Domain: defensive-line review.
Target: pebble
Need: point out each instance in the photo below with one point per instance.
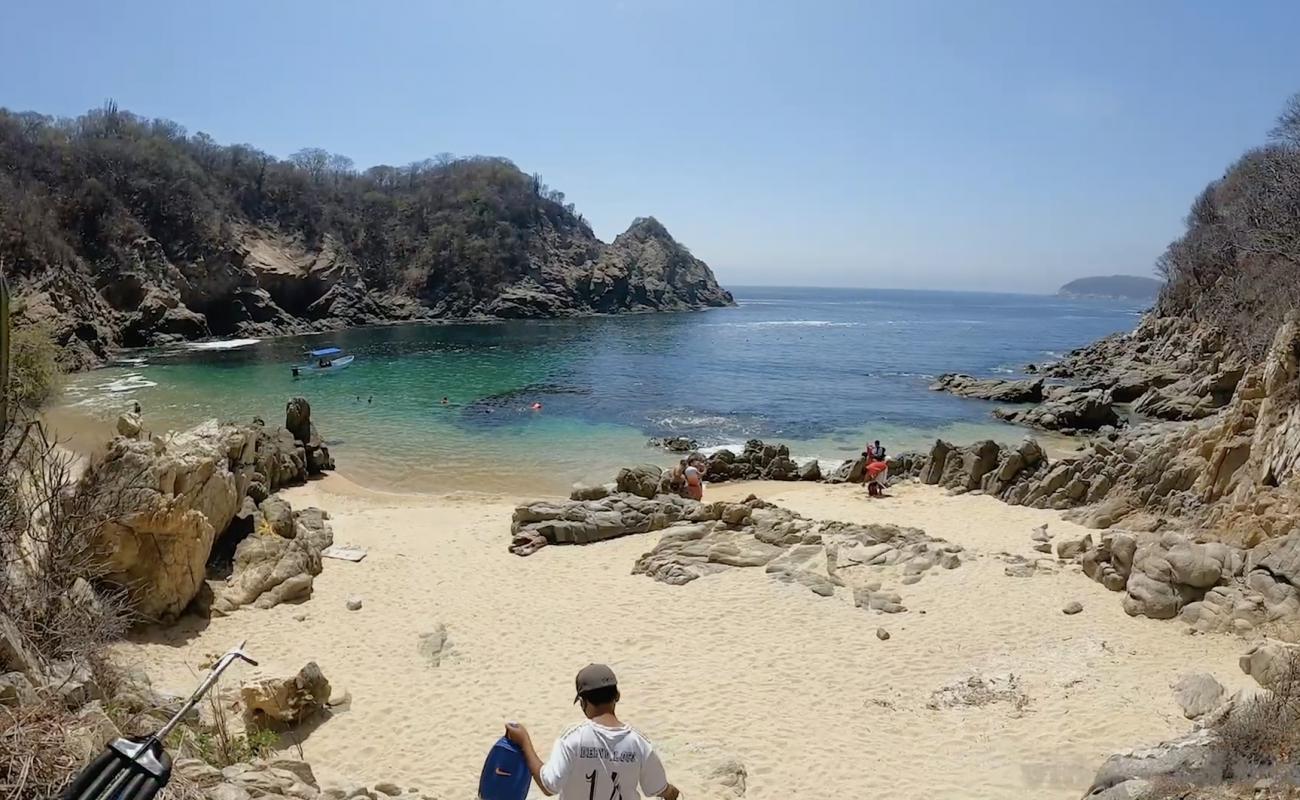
(354, 603)
(389, 788)
(882, 634)
(1072, 607)
(299, 617)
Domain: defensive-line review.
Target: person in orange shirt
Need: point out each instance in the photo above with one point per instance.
(877, 472)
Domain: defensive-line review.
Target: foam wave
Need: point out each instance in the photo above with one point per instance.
(896, 374)
(676, 423)
(226, 344)
(775, 323)
(734, 447)
(128, 383)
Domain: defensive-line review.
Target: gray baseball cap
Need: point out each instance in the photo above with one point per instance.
(593, 676)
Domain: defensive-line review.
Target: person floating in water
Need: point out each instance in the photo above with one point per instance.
(445, 401)
(536, 406)
(601, 757)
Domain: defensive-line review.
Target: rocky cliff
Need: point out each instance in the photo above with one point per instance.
(122, 231)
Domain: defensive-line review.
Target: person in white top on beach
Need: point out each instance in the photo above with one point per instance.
(601, 759)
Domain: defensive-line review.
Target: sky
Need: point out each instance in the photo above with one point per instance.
(955, 145)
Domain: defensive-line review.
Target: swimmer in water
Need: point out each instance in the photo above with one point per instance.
(537, 406)
(445, 401)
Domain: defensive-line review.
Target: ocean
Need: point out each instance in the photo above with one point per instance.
(824, 370)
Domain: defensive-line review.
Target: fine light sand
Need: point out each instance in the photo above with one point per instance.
(795, 686)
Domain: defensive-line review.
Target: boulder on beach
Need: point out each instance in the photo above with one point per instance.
(987, 466)
(586, 521)
(181, 493)
(183, 498)
(277, 703)
(274, 560)
(645, 481)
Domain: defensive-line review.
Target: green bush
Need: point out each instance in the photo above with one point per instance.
(36, 371)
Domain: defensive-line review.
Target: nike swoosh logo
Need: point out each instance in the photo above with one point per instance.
(502, 774)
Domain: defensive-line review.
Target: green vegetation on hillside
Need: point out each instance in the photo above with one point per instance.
(87, 189)
(123, 230)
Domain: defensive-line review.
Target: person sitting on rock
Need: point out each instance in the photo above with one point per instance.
(602, 757)
(875, 451)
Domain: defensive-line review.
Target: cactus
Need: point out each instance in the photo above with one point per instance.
(4, 351)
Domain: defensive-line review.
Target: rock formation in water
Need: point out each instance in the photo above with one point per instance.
(1003, 391)
(127, 232)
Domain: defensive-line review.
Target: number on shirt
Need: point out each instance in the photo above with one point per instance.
(616, 793)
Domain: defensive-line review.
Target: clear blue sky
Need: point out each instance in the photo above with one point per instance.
(920, 144)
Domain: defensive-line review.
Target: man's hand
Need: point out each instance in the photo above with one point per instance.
(518, 734)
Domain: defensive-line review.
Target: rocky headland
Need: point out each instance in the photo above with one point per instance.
(129, 232)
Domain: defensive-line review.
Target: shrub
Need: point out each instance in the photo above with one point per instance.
(36, 371)
(49, 565)
(1261, 736)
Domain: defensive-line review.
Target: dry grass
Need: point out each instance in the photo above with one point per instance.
(50, 568)
(978, 692)
(35, 760)
(1261, 736)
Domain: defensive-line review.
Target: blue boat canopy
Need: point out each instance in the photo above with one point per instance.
(326, 351)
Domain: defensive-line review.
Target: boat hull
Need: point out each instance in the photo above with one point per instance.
(315, 369)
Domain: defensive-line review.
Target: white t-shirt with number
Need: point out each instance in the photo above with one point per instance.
(595, 762)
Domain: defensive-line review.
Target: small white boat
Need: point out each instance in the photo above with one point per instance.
(328, 359)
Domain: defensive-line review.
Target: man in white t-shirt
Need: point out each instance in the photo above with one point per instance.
(601, 759)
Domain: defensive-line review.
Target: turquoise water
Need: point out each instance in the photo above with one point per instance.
(822, 369)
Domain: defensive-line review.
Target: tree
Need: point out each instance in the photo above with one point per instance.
(340, 166)
(1287, 129)
(312, 160)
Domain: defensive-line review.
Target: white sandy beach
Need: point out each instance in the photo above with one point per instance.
(736, 665)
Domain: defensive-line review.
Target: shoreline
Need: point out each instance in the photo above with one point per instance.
(183, 345)
(86, 433)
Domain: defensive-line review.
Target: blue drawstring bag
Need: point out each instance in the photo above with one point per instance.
(505, 773)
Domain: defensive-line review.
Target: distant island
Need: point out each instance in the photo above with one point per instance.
(1117, 287)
